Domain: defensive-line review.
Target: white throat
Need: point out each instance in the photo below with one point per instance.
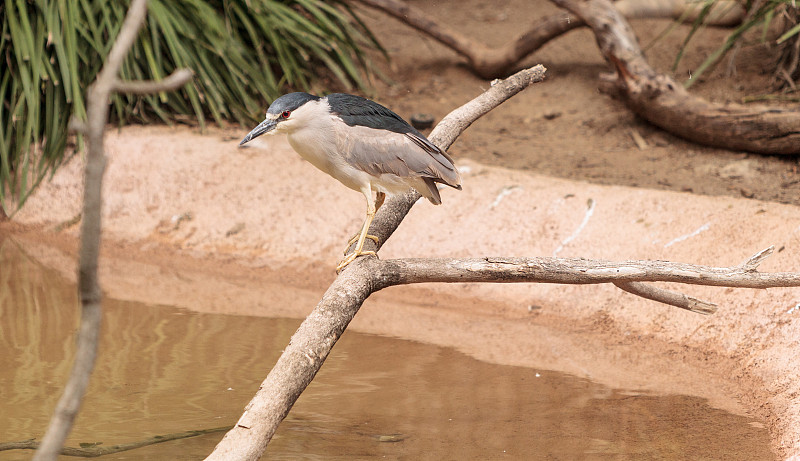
(311, 132)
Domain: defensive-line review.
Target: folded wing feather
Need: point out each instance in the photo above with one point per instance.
(402, 154)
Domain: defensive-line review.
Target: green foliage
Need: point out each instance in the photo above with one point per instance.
(243, 53)
(760, 13)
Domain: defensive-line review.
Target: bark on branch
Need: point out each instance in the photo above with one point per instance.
(575, 271)
(628, 276)
(97, 115)
(672, 298)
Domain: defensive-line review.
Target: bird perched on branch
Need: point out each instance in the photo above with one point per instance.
(364, 145)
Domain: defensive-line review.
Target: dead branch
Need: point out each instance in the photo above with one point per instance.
(672, 298)
(172, 82)
(575, 271)
(628, 276)
(665, 103)
(95, 451)
(97, 114)
(484, 61)
(498, 62)
(314, 339)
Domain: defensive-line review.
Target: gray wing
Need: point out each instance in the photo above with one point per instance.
(403, 154)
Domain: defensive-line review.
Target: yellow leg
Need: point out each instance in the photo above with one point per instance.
(362, 236)
(354, 239)
(380, 197)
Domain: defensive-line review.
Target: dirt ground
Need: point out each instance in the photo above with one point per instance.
(565, 127)
(193, 221)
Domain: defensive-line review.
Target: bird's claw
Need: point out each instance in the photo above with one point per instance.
(354, 239)
(352, 257)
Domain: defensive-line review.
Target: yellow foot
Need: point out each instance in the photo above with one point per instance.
(354, 239)
(352, 257)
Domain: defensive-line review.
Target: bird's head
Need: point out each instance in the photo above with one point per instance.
(282, 115)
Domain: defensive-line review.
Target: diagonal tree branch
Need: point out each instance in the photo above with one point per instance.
(316, 336)
(97, 114)
(313, 341)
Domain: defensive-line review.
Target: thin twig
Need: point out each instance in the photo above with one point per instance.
(172, 82)
(754, 261)
(102, 450)
(672, 298)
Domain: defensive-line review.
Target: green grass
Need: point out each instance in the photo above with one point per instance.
(244, 53)
(760, 15)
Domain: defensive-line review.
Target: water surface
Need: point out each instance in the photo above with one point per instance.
(163, 370)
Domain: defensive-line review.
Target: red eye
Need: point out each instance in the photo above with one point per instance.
(286, 114)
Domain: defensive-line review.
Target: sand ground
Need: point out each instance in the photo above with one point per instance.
(191, 220)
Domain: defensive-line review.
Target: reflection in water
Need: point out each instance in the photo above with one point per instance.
(163, 370)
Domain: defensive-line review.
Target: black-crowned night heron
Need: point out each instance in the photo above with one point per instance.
(362, 144)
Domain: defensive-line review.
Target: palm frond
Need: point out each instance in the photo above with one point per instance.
(244, 53)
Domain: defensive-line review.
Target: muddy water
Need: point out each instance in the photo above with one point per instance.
(163, 370)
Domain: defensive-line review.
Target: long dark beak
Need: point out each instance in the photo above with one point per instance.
(264, 127)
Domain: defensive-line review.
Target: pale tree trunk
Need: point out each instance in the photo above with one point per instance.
(98, 100)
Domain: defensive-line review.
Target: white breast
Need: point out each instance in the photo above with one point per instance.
(315, 140)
